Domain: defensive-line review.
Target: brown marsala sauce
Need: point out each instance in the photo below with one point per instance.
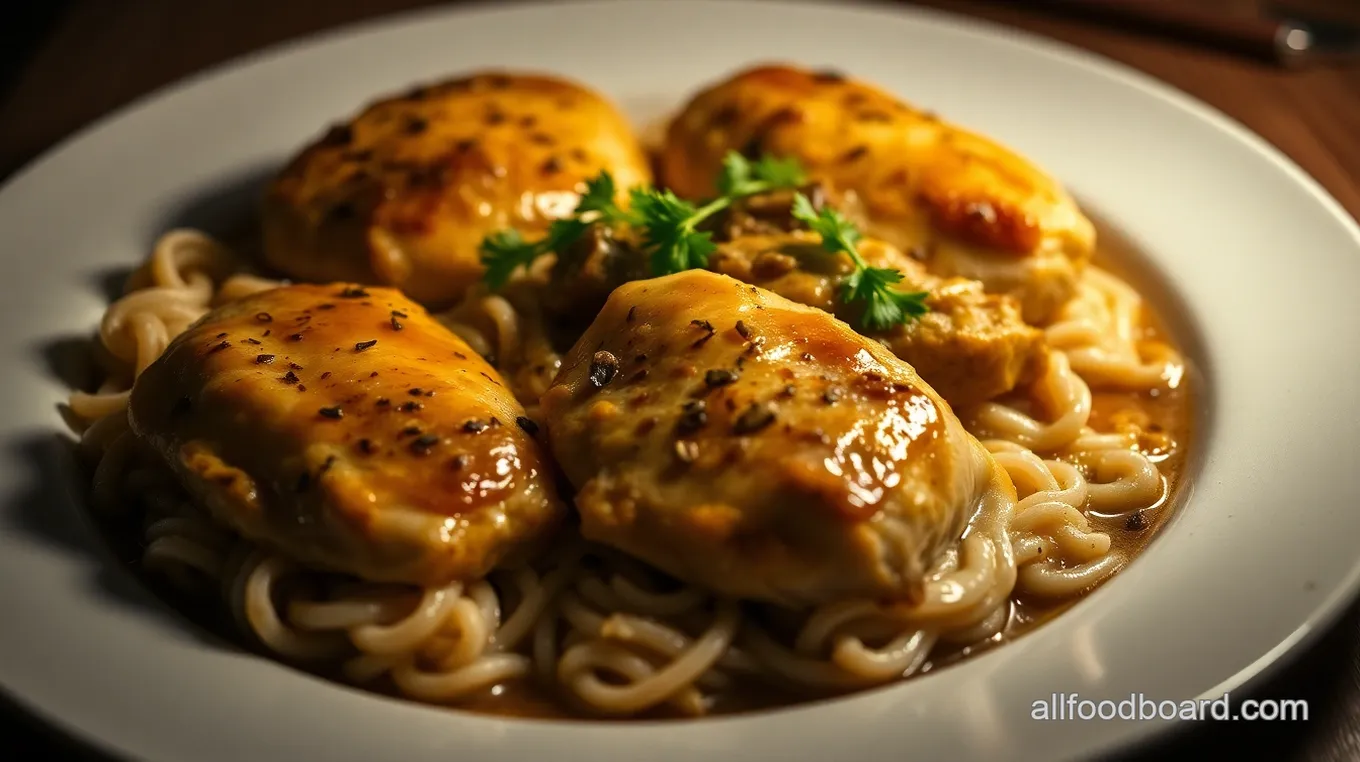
(1167, 415)
(1166, 418)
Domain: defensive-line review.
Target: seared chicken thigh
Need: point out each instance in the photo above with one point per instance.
(970, 347)
(973, 208)
(347, 429)
(758, 447)
(402, 194)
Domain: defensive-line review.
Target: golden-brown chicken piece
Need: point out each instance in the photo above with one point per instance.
(758, 447)
(402, 194)
(350, 431)
(970, 347)
(972, 207)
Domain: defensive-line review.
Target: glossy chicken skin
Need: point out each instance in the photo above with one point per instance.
(347, 429)
(402, 194)
(974, 208)
(970, 347)
(759, 447)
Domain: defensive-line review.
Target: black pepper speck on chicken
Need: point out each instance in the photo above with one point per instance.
(318, 463)
(791, 460)
(973, 207)
(403, 194)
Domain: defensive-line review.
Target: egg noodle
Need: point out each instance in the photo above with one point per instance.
(601, 631)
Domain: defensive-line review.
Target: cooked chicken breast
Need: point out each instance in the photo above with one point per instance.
(973, 208)
(759, 447)
(402, 194)
(970, 347)
(347, 429)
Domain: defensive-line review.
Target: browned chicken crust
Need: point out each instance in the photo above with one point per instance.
(973, 208)
(970, 347)
(349, 430)
(402, 194)
(758, 447)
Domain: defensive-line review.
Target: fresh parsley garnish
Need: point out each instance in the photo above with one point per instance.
(599, 197)
(505, 251)
(884, 305)
(668, 230)
(670, 234)
(741, 177)
(668, 224)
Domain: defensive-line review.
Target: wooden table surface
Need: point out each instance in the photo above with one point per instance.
(66, 64)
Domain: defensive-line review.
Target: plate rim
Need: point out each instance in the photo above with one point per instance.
(1321, 617)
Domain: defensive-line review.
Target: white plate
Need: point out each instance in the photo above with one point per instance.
(1263, 263)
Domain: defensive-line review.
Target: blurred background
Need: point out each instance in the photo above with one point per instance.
(64, 64)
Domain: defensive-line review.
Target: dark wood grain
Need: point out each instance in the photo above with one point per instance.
(85, 58)
(1256, 36)
(1312, 115)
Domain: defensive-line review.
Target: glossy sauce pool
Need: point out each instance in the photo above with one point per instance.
(1166, 418)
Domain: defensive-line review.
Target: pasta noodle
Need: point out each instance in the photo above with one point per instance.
(1099, 331)
(604, 632)
(509, 329)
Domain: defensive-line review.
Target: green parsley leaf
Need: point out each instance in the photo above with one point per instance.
(563, 233)
(688, 251)
(736, 173)
(741, 177)
(668, 230)
(837, 233)
(599, 195)
(884, 305)
(599, 199)
(668, 224)
(779, 173)
(661, 211)
(505, 251)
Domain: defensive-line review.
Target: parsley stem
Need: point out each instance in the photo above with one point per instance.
(722, 202)
(853, 251)
(708, 210)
